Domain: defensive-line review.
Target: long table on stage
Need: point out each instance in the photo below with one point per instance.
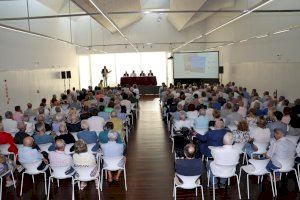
(142, 80)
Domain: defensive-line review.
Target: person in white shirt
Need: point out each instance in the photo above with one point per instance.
(183, 122)
(9, 125)
(259, 134)
(136, 91)
(112, 149)
(95, 123)
(29, 126)
(281, 149)
(59, 158)
(225, 155)
(125, 102)
(133, 74)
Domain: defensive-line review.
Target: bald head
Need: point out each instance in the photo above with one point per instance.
(228, 138)
(189, 151)
(28, 141)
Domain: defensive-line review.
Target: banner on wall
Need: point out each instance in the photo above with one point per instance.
(6, 92)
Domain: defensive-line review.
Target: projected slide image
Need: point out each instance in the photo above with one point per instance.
(195, 64)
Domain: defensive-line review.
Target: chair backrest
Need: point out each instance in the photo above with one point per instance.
(75, 135)
(188, 182)
(239, 146)
(83, 173)
(31, 168)
(90, 147)
(45, 147)
(293, 139)
(113, 163)
(4, 149)
(259, 165)
(60, 172)
(68, 147)
(286, 164)
(261, 147)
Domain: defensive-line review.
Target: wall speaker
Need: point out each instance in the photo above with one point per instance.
(221, 69)
(68, 74)
(63, 74)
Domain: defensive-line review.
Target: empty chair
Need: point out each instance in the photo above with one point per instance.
(32, 170)
(287, 165)
(58, 173)
(113, 164)
(188, 182)
(256, 168)
(85, 173)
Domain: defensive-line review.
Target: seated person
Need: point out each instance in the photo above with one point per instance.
(28, 154)
(85, 113)
(150, 73)
(113, 149)
(234, 117)
(103, 136)
(192, 112)
(29, 111)
(226, 155)
(41, 121)
(65, 135)
(57, 120)
(241, 135)
(104, 115)
(133, 74)
(94, 123)
(29, 125)
(277, 123)
(212, 138)
(182, 122)
(74, 125)
(125, 102)
(189, 166)
(142, 73)
(58, 158)
(88, 136)
(19, 137)
(9, 124)
(5, 166)
(200, 124)
(18, 115)
(82, 157)
(117, 123)
(125, 74)
(281, 149)
(40, 137)
(6, 138)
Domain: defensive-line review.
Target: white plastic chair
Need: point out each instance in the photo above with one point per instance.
(261, 148)
(188, 182)
(45, 147)
(83, 173)
(1, 180)
(59, 174)
(240, 147)
(111, 164)
(293, 139)
(90, 147)
(68, 147)
(227, 172)
(31, 169)
(256, 168)
(287, 165)
(75, 135)
(4, 151)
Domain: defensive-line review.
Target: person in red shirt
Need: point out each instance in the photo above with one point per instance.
(6, 138)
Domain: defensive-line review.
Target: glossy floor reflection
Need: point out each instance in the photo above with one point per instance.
(150, 171)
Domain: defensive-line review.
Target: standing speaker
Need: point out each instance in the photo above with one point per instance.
(69, 74)
(63, 74)
(221, 70)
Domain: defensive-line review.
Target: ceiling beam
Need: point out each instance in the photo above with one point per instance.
(145, 12)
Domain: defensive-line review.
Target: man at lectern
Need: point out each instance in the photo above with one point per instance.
(104, 73)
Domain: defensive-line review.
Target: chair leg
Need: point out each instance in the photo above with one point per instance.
(262, 178)
(32, 176)
(101, 179)
(208, 178)
(21, 190)
(98, 189)
(240, 174)
(1, 188)
(202, 192)
(196, 191)
(57, 182)
(125, 179)
(45, 177)
(271, 180)
(248, 186)
(238, 184)
(214, 195)
(275, 184)
(297, 179)
(73, 189)
(175, 191)
(228, 181)
(258, 178)
(13, 178)
(49, 187)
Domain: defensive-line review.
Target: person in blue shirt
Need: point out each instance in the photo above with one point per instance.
(212, 138)
(200, 124)
(90, 137)
(104, 115)
(103, 136)
(40, 137)
(190, 166)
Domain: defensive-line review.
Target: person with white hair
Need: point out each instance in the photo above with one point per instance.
(59, 158)
(9, 124)
(21, 134)
(182, 122)
(57, 120)
(113, 149)
(226, 155)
